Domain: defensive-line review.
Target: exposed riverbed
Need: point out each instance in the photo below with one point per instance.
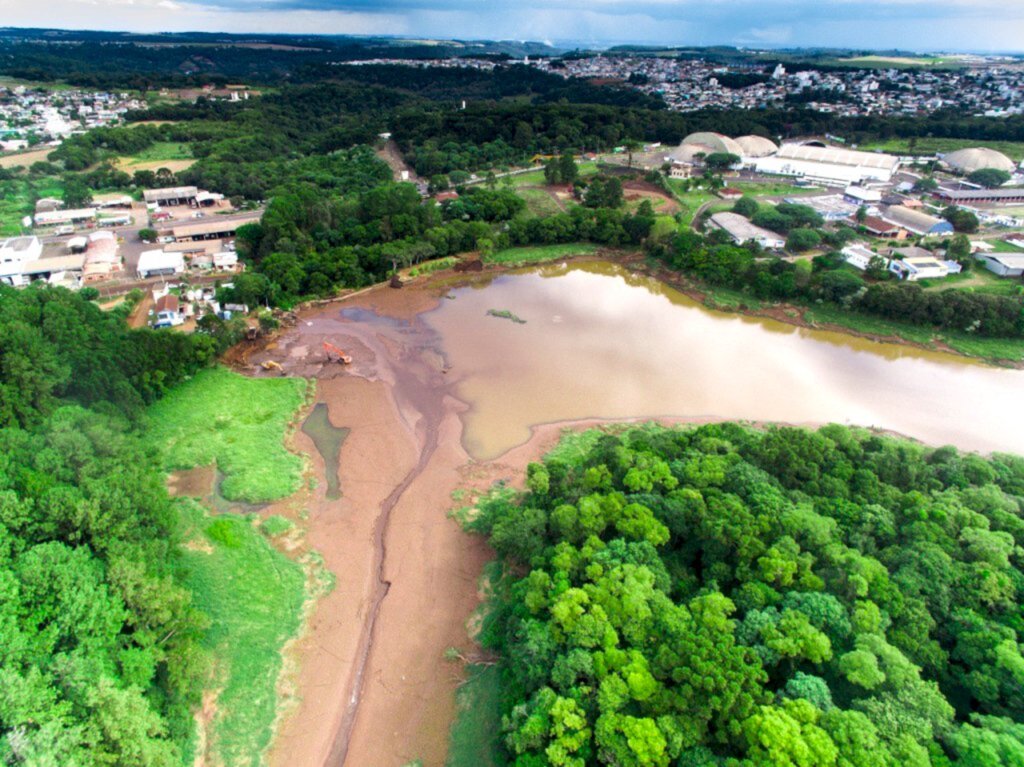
(440, 392)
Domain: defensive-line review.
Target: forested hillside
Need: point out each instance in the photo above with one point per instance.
(100, 662)
(726, 596)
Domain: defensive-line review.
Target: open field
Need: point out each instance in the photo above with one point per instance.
(14, 82)
(537, 253)
(25, 159)
(929, 146)
(253, 597)
(163, 154)
(16, 198)
(536, 177)
(539, 203)
(768, 189)
(236, 422)
(690, 202)
(1001, 246)
(901, 62)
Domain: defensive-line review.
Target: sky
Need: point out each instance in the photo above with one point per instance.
(917, 25)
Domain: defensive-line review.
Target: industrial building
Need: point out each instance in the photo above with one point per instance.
(1004, 264)
(829, 165)
(916, 222)
(59, 217)
(172, 196)
(967, 161)
(742, 231)
(982, 196)
(217, 229)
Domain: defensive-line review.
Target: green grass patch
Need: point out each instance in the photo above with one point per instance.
(691, 201)
(275, 526)
(161, 151)
(539, 204)
(477, 728)
(17, 200)
(237, 422)
(729, 300)
(930, 146)
(436, 265)
(984, 348)
(1001, 246)
(534, 254)
(253, 596)
(756, 189)
(505, 314)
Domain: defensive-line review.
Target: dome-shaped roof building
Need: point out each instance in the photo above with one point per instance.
(970, 160)
(687, 153)
(756, 146)
(714, 141)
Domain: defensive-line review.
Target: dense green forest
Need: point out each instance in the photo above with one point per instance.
(735, 597)
(101, 662)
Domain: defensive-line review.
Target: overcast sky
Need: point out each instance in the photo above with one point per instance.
(924, 25)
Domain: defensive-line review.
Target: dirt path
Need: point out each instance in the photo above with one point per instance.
(392, 155)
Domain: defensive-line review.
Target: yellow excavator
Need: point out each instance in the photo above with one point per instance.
(340, 356)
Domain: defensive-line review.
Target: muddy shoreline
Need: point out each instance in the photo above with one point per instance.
(370, 682)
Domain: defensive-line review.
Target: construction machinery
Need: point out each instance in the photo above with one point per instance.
(338, 354)
(272, 365)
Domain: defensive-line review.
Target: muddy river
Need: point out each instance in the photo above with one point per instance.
(600, 342)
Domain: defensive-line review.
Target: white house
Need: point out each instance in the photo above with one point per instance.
(859, 256)
(860, 195)
(912, 269)
(160, 262)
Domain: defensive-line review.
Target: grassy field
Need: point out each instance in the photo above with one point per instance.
(163, 154)
(902, 62)
(16, 200)
(14, 82)
(757, 189)
(691, 201)
(237, 422)
(986, 348)
(978, 280)
(25, 159)
(475, 733)
(253, 596)
(539, 204)
(536, 177)
(929, 146)
(1001, 246)
(538, 253)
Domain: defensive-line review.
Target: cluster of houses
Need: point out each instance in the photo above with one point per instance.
(991, 85)
(29, 116)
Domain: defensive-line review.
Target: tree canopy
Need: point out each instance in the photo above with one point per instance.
(733, 597)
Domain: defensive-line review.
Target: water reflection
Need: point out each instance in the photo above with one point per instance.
(601, 342)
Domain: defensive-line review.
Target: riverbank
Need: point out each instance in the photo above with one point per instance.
(371, 681)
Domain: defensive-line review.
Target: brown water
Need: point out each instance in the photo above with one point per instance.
(599, 342)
